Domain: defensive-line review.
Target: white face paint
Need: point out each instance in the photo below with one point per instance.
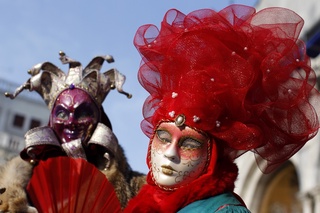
(178, 155)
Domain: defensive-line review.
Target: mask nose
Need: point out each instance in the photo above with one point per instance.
(71, 122)
(172, 153)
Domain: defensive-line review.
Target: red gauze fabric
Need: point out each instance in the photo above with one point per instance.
(240, 75)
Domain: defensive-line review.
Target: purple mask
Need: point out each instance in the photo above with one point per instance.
(74, 115)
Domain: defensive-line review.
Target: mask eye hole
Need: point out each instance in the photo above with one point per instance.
(61, 113)
(164, 136)
(85, 111)
(190, 143)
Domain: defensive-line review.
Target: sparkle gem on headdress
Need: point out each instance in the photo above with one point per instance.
(174, 94)
(297, 60)
(149, 45)
(71, 86)
(218, 123)
(245, 48)
(311, 134)
(233, 53)
(289, 91)
(172, 114)
(196, 118)
(180, 119)
(268, 70)
(212, 79)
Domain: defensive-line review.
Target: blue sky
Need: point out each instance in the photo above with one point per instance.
(35, 31)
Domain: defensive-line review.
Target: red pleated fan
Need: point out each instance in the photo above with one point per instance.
(68, 185)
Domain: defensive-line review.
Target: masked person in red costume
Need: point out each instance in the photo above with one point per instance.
(78, 127)
(221, 84)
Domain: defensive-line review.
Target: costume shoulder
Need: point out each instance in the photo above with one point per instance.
(226, 202)
(14, 176)
(233, 209)
(126, 182)
(137, 180)
(15, 172)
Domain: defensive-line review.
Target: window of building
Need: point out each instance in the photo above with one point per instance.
(280, 195)
(34, 123)
(18, 121)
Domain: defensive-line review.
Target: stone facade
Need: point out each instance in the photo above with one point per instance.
(17, 117)
(295, 186)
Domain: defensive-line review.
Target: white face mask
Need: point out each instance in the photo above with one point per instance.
(178, 155)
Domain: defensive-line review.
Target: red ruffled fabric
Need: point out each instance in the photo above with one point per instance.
(240, 75)
(151, 198)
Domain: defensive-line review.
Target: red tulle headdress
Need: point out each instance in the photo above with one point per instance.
(240, 75)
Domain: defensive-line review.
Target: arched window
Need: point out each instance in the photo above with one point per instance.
(280, 191)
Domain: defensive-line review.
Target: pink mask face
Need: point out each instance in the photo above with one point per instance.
(178, 155)
(74, 115)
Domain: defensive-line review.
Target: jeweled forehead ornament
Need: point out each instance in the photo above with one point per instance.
(180, 120)
(49, 81)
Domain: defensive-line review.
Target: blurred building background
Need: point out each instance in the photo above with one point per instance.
(295, 186)
(17, 117)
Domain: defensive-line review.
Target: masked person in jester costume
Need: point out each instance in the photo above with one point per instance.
(78, 127)
(220, 84)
